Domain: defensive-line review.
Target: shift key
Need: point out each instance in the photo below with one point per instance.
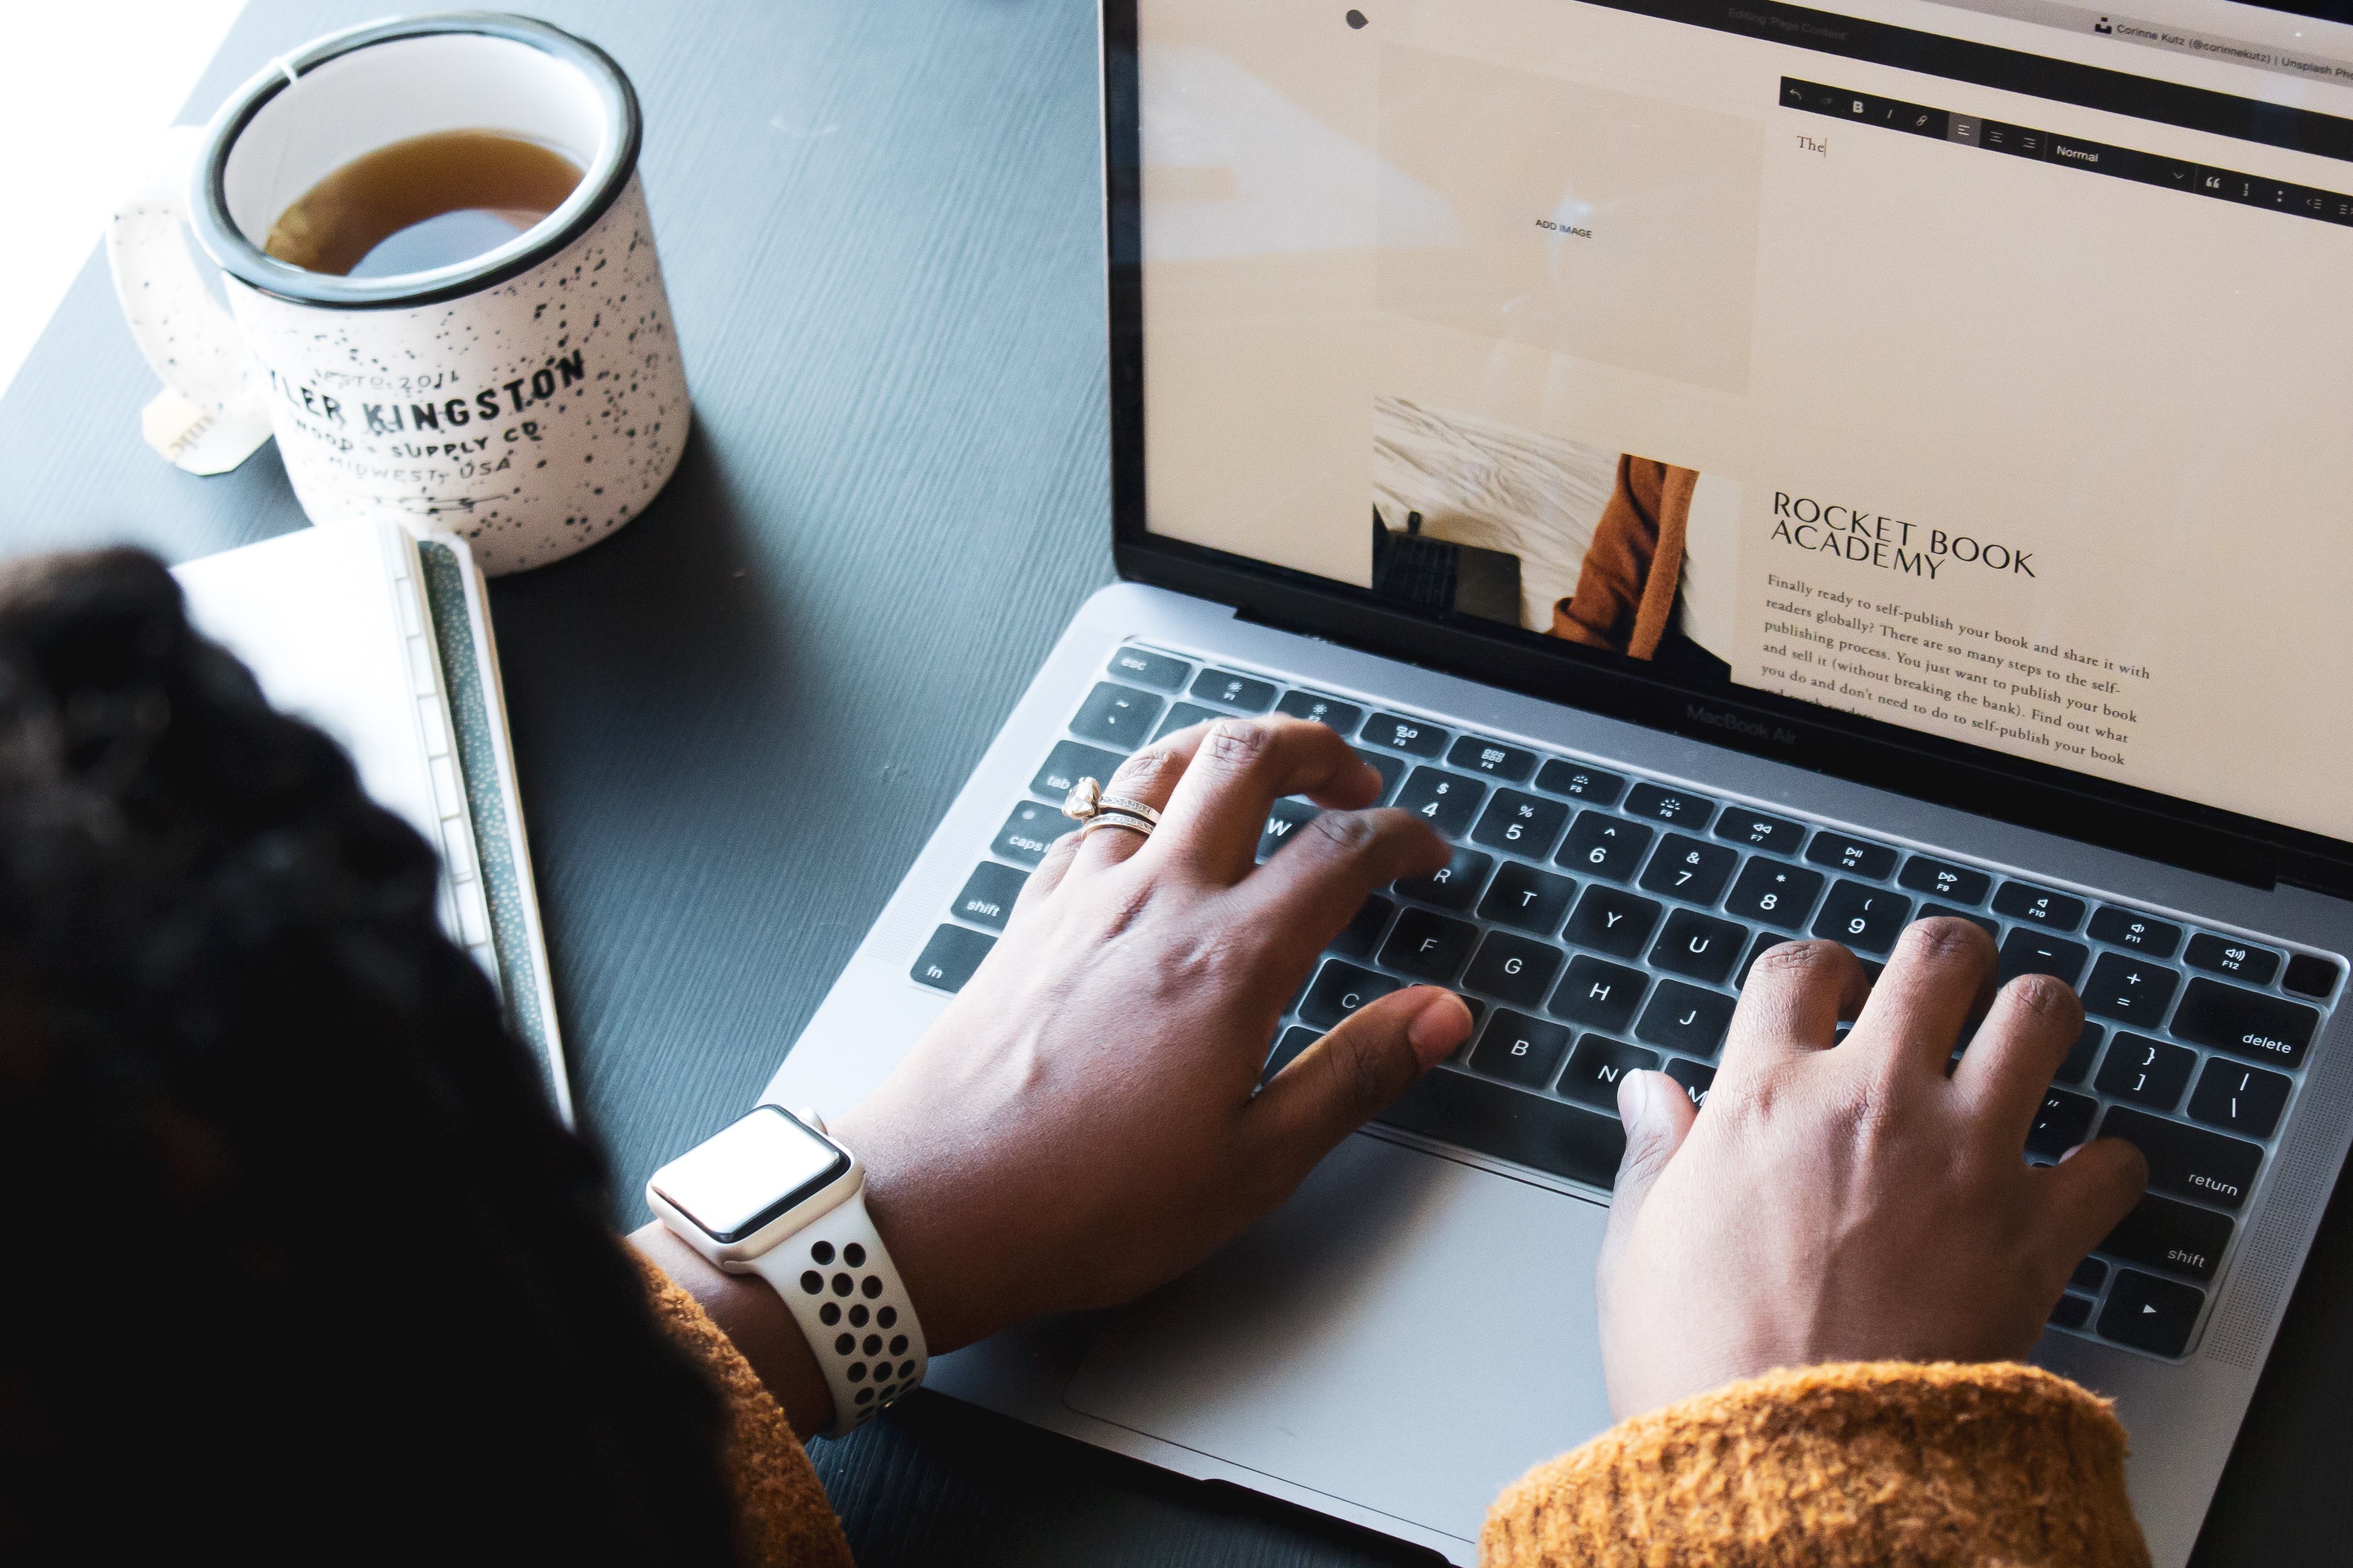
(2162, 1234)
(2188, 1160)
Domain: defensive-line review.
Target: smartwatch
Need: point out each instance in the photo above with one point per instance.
(773, 1195)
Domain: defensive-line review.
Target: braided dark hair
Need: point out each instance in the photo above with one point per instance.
(306, 1267)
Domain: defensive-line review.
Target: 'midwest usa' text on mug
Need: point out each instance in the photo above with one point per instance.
(528, 398)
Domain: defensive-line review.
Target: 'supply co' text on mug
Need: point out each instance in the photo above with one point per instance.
(445, 302)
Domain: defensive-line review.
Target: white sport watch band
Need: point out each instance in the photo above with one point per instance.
(837, 1278)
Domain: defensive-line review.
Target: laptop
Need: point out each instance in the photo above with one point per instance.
(1741, 472)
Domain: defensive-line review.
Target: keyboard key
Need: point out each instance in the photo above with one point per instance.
(1287, 1047)
(1068, 763)
(2162, 1234)
(1679, 806)
(2190, 1161)
(1520, 824)
(2130, 990)
(1697, 1079)
(1579, 782)
(1493, 758)
(2245, 1023)
(1777, 894)
(1685, 1018)
(1282, 819)
(988, 894)
(1596, 1067)
(1389, 767)
(1700, 946)
(1600, 845)
(2228, 955)
(1689, 869)
(1231, 690)
(2024, 901)
(1364, 928)
(1395, 732)
(2072, 1311)
(2126, 928)
(1959, 883)
(1117, 715)
(2063, 1123)
(1866, 918)
(1453, 886)
(1524, 897)
(2080, 1055)
(2089, 1276)
(2145, 1071)
(1598, 993)
(1511, 1124)
(1429, 946)
(1519, 1049)
(1841, 853)
(948, 960)
(1766, 941)
(1145, 668)
(2308, 975)
(1340, 989)
(1445, 801)
(1771, 834)
(2151, 1314)
(1513, 969)
(1183, 716)
(1945, 912)
(1029, 832)
(1612, 921)
(2242, 1099)
(2029, 951)
(1319, 709)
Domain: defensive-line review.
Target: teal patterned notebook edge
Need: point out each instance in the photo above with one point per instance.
(498, 839)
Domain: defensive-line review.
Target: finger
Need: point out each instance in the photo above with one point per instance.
(1238, 769)
(2016, 1053)
(1658, 1116)
(1049, 873)
(2088, 1192)
(1148, 778)
(1941, 977)
(1797, 995)
(1303, 896)
(1350, 1074)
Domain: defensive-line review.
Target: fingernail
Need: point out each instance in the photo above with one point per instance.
(1439, 1025)
(1636, 1096)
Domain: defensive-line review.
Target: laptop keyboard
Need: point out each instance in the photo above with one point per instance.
(1598, 922)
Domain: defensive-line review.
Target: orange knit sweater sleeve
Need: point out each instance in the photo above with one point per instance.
(1885, 1464)
(782, 1519)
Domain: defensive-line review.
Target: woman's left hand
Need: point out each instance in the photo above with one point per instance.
(1080, 1124)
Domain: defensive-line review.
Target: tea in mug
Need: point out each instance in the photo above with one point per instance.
(424, 202)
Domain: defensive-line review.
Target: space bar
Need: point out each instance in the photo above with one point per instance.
(1511, 1124)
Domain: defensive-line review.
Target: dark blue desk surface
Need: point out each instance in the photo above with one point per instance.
(737, 720)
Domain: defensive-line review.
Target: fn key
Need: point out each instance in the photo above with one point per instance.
(948, 960)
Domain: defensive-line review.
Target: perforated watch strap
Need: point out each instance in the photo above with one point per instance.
(837, 1278)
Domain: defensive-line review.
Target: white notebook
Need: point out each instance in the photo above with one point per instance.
(382, 640)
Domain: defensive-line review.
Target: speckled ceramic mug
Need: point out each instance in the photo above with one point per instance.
(529, 399)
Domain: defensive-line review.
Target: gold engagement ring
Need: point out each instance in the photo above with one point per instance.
(1087, 804)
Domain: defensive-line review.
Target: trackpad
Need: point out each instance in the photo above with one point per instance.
(1407, 1333)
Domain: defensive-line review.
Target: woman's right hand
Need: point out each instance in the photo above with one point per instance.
(1848, 1201)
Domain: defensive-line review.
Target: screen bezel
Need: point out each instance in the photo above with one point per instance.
(2177, 831)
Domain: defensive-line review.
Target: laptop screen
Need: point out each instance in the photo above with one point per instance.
(1983, 372)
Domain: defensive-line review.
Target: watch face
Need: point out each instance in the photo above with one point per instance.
(750, 1173)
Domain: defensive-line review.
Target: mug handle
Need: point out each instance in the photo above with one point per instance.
(211, 413)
